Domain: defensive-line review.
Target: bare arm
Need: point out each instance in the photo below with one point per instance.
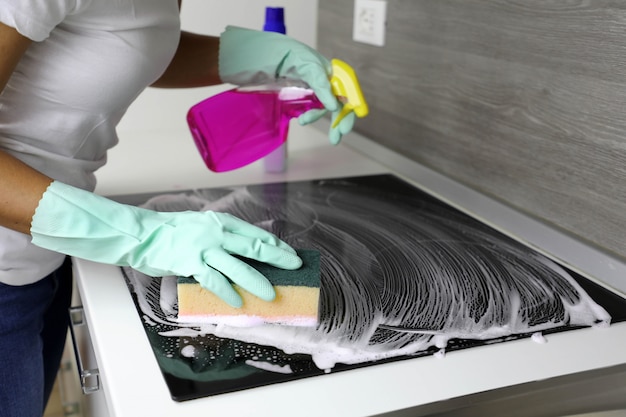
(195, 63)
(21, 187)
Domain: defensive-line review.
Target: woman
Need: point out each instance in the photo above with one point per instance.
(68, 71)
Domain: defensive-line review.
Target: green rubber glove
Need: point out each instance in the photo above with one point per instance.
(335, 133)
(196, 244)
(249, 56)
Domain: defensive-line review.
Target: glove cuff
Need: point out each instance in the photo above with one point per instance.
(79, 223)
(242, 61)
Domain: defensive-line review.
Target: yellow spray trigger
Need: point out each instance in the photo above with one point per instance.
(345, 86)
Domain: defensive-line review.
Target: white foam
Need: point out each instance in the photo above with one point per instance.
(266, 366)
(247, 320)
(414, 267)
(188, 351)
(538, 337)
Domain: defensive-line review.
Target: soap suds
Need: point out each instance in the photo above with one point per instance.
(188, 351)
(386, 260)
(538, 337)
(440, 354)
(286, 369)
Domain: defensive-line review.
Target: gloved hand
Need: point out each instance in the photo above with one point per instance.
(335, 133)
(198, 244)
(254, 57)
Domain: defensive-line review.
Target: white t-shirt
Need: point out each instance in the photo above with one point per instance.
(89, 60)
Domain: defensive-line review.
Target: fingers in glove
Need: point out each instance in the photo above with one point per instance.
(260, 251)
(316, 77)
(236, 226)
(212, 280)
(311, 116)
(345, 126)
(242, 274)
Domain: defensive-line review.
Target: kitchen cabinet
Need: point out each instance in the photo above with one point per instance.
(584, 363)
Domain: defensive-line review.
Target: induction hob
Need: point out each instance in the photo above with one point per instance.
(393, 257)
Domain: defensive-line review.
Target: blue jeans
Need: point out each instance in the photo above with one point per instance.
(34, 321)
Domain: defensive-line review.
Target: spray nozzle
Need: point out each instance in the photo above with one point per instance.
(346, 87)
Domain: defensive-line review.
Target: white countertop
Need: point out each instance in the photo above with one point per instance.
(134, 385)
(164, 161)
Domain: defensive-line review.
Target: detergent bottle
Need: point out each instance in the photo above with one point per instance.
(275, 161)
(242, 125)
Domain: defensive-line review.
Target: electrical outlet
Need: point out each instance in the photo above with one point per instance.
(370, 18)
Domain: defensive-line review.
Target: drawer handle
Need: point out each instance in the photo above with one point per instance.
(84, 375)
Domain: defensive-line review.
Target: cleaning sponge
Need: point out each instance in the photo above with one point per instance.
(296, 302)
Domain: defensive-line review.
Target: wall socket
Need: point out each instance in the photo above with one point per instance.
(370, 19)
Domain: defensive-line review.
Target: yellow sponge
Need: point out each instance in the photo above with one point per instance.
(296, 302)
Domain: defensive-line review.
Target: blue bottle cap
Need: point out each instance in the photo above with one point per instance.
(275, 20)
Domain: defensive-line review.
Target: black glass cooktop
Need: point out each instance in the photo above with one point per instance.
(401, 271)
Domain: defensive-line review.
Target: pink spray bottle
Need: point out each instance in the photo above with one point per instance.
(239, 126)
